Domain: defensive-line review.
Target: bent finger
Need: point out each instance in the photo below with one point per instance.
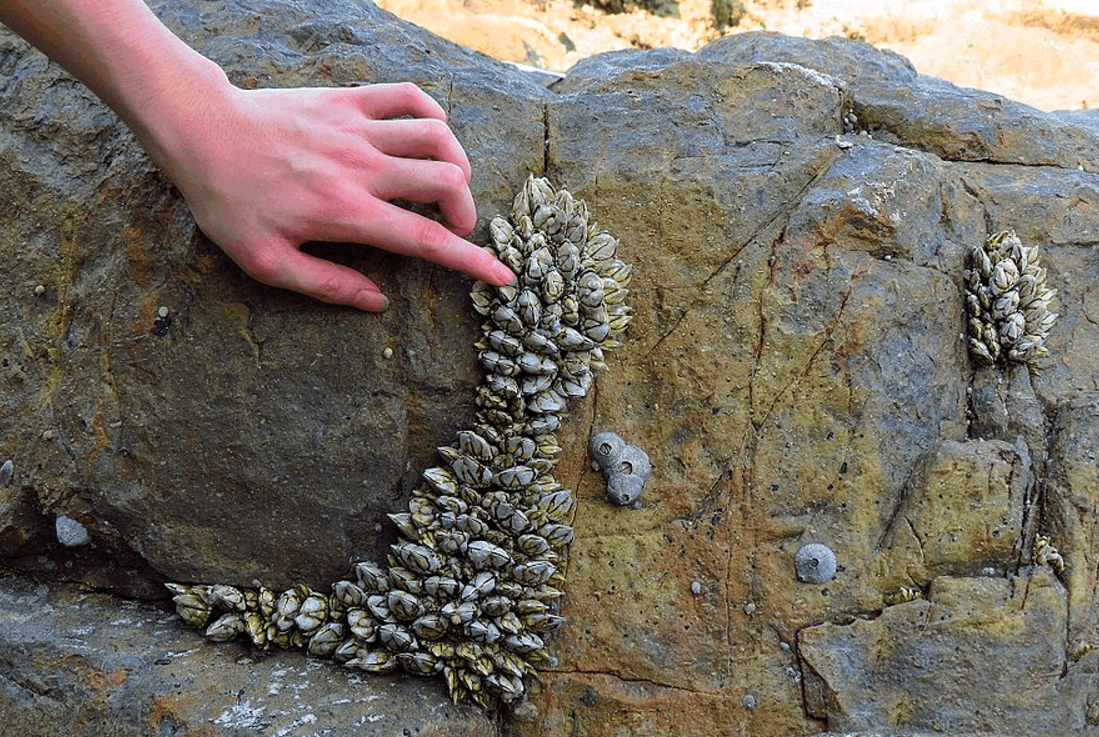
(421, 139)
(395, 100)
(420, 180)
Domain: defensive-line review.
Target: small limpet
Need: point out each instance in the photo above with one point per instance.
(815, 563)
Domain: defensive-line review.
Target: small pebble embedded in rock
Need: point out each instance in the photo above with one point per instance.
(71, 533)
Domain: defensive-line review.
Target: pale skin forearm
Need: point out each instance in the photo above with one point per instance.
(266, 170)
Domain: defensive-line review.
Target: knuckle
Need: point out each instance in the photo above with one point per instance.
(262, 264)
(408, 91)
(450, 176)
(435, 129)
(332, 290)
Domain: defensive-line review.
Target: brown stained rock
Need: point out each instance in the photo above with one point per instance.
(980, 655)
(963, 513)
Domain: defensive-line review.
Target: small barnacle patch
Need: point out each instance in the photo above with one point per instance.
(473, 584)
(1007, 302)
(1078, 649)
(902, 595)
(1046, 555)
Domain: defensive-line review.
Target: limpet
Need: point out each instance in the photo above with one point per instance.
(815, 563)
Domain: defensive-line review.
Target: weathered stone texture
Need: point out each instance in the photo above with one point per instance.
(920, 663)
(796, 369)
(92, 665)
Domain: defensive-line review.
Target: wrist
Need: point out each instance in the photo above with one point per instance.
(168, 103)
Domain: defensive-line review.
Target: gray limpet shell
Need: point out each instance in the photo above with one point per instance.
(624, 488)
(815, 563)
(606, 447)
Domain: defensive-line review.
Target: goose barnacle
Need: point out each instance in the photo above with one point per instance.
(473, 585)
(1007, 302)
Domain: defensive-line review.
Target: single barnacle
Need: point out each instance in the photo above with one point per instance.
(326, 639)
(192, 603)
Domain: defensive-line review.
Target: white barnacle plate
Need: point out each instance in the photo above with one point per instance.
(473, 584)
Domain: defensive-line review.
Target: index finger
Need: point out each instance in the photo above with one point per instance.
(395, 229)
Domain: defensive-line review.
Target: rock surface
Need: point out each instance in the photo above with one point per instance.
(93, 665)
(796, 370)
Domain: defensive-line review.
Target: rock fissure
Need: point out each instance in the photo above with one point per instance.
(637, 681)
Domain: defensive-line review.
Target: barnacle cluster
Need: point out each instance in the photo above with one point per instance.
(475, 582)
(1046, 555)
(625, 467)
(1007, 302)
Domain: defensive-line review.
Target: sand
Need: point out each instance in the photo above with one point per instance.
(1041, 52)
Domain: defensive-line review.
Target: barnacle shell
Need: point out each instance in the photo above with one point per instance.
(1007, 302)
(902, 595)
(473, 585)
(815, 563)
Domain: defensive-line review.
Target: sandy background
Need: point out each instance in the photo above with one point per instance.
(1041, 52)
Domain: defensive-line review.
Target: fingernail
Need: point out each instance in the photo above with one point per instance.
(372, 301)
(502, 274)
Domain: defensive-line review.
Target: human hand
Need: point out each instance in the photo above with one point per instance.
(267, 170)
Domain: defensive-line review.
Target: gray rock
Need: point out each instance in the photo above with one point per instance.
(957, 658)
(71, 533)
(130, 670)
